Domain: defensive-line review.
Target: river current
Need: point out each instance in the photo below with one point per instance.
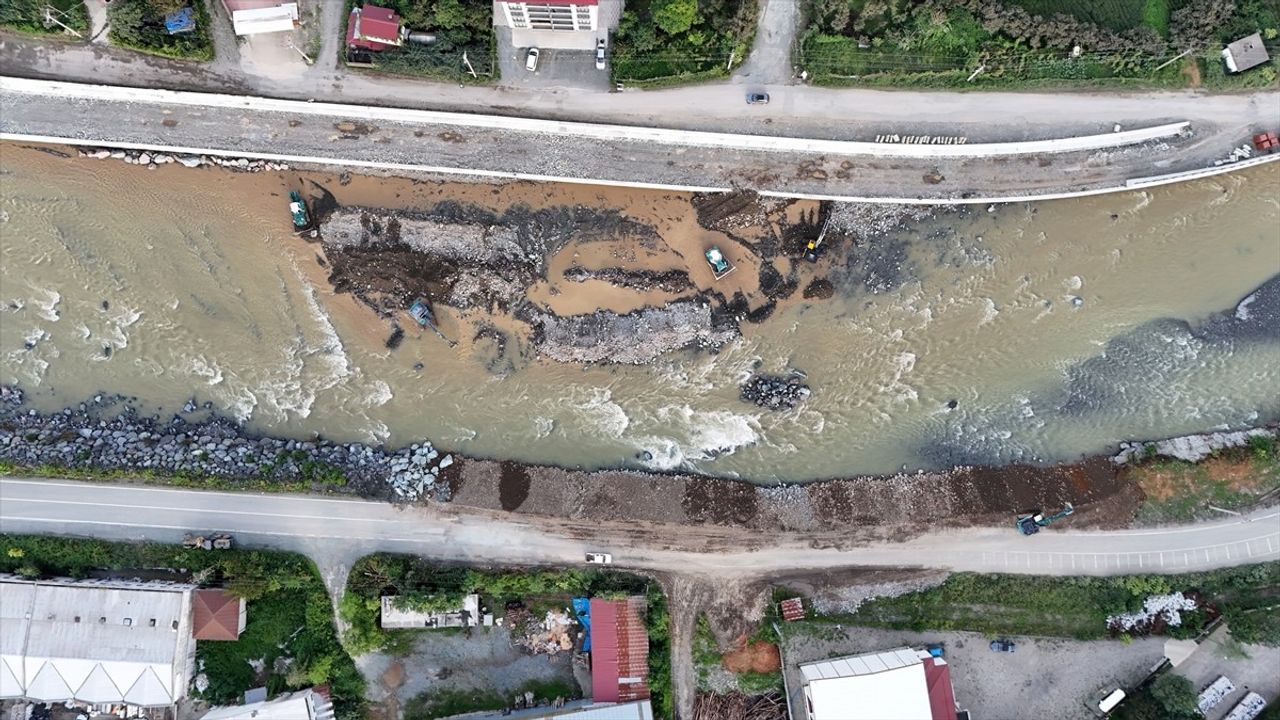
(1057, 328)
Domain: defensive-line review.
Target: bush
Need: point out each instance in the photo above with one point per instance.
(139, 24)
(460, 26)
(671, 41)
(28, 16)
(1176, 696)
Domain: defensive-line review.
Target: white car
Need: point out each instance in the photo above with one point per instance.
(600, 45)
(599, 558)
(531, 61)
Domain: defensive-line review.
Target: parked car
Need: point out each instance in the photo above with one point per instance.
(1002, 646)
(600, 45)
(531, 60)
(757, 98)
(599, 558)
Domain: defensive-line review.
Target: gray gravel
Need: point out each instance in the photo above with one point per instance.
(1043, 678)
(484, 661)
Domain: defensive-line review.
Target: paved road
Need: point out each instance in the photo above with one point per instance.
(326, 528)
(505, 147)
(797, 110)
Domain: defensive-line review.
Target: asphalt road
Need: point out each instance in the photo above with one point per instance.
(327, 528)
(541, 150)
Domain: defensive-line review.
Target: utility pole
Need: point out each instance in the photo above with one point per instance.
(298, 50)
(49, 19)
(1175, 59)
(977, 72)
(730, 65)
(467, 62)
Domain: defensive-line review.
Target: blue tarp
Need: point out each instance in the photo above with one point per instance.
(180, 21)
(582, 608)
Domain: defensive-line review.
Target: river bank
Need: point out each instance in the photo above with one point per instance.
(106, 435)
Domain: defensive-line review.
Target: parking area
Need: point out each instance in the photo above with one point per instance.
(1248, 667)
(1041, 678)
(557, 68)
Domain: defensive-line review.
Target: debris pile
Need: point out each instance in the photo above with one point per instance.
(1165, 608)
(553, 635)
(776, 392)
(1189, 448)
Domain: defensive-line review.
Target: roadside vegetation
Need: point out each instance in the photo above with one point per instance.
(139, 25)
(461, 27)
(1168, 697)
(1076, 607)
(668, 42)
(290, 618)
(1236, 478)
(1032, 43)
(744, 669)
(425, 585)
(28, 16)
(285, 474)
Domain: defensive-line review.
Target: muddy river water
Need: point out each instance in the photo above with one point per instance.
(1057, 328)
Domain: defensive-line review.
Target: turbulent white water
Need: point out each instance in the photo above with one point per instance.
(1057, 328)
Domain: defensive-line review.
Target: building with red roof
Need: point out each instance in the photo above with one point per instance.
(900, 684)
(217, 615)
(374, 28)
(619, 650)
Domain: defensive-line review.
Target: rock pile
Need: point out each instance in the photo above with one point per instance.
(151, 160)
(90, 438)
(776, 392)
(1190, 448)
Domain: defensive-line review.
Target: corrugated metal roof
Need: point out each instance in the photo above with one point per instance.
(619, 650)
(95, 641)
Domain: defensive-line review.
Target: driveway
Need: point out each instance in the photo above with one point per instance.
(770, 60)
(1043, 678)
(557, 68)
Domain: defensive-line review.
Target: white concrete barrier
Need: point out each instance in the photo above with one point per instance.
(596, 131)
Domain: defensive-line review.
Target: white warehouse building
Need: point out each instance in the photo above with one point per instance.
(96, 642)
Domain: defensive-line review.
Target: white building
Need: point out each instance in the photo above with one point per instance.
(395, 618)
(95, 641)
(900, 684)
(301, 705)
(561, 24)
(251, 17)
(586, 710)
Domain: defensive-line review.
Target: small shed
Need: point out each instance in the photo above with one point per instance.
(217, 615)
(374, 28)
(1245, 53)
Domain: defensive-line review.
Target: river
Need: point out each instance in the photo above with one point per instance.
(1057, 328)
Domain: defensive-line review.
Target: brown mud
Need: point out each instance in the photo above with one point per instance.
(1103, 495)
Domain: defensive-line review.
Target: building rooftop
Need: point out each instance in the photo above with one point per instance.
(899, 684)
(217, 615)
(95, 641)
(309, 704)
(373, 28)
(619, 650)
(1245, 53)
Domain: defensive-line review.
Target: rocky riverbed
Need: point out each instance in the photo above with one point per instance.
(106, 433)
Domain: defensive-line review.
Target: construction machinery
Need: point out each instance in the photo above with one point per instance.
(1031, 524)
(213, 541)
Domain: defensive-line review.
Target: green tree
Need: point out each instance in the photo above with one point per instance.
(1176, 695)
(674, 16)
(450, 14)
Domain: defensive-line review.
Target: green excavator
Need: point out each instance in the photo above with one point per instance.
(1031, 524)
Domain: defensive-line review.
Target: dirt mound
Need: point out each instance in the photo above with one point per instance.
(760, 657)
(635, 337)
(513, 488)
(729, 211)
(670, 281)
(819, 289)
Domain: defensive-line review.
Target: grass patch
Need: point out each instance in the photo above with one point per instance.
(706, 652)
(315, 477)
(139, 25)
(1179, 491)
(1075, 607)
(671, 42)
(289, 614)
(757, 683)
(444, 703)
(27, 16)
(1090, 44)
